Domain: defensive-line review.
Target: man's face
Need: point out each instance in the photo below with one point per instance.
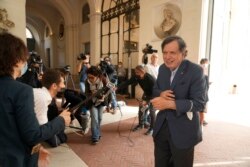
(154, 59)
(172, 57)
(85, 62)
(107, 60)
(60, 86)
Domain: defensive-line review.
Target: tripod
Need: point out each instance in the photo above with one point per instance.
(67, 78)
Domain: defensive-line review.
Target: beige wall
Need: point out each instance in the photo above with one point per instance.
(65, 51)
(189, 29)
(16, 14)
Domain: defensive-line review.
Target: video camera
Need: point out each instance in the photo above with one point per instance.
(147, 50)
(103, 65)
(35, 58)
(66, 68)
(82, 56)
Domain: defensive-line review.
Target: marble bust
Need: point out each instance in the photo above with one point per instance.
(169, 22)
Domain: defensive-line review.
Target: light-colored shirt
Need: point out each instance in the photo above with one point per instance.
(152, 70)
(172, 75)
(42, 99)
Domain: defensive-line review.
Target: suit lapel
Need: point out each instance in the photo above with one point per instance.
(165, 78)
(179, 73)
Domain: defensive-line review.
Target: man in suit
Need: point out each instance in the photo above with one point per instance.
(179, 96)
(19, 128)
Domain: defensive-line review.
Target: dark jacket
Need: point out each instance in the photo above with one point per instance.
(109, 70)
(189, 89)
(83, 74)
(146, 83)
(19, 127)
(31, 78)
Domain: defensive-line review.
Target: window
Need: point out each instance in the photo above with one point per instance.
(28, 33)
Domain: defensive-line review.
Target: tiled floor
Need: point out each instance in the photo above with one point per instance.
(226, 139)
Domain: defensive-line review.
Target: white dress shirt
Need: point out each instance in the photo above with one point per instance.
(42, 99)
(152, 70)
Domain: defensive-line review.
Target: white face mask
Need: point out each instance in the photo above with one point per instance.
(206, 65)
(24, 69)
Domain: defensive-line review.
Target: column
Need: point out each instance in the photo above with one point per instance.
(72, 45)
(95, 37)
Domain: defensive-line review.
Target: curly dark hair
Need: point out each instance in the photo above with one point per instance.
(12, 51)
(93, 70)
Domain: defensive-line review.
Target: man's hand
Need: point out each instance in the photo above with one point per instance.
(66, 116)
(168, 95)
(88, 65)
(165, 101)
(142, 103)
(43, 160)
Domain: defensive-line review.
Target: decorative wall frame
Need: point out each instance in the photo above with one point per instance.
(61, 30)
(167, 20)
(5, 23)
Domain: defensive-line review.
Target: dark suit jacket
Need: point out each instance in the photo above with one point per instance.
(19, 128)
(188, 86)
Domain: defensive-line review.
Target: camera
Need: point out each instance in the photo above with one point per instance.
(35, 63)
(35, 58)
(149, 49)
(82, 56)
(66, 68)
(103, 65)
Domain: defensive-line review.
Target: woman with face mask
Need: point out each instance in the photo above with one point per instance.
(19, 128)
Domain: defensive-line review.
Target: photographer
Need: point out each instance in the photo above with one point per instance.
(35, 71)
(95, 81)
(82, 67)
(146, 82)
(109, 70)
(53, 82)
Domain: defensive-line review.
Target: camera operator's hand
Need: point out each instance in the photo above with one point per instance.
(66, 116)
(87, 65)
(40, 76)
